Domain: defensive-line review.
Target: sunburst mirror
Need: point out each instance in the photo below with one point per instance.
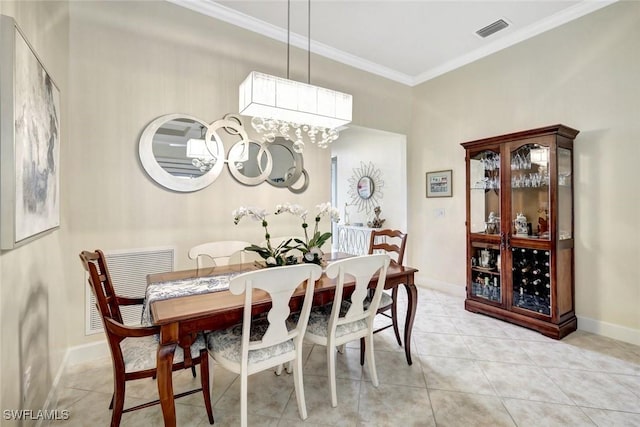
(365, 187)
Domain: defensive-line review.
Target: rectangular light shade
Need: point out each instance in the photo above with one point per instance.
(197, 149)
(270, 97)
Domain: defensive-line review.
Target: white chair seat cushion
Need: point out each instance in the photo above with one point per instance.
(228, 342)
(319, 321)
(140, 353)
(385, 301)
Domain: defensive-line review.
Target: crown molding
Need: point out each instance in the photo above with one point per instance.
(231, 16)
(555, 20)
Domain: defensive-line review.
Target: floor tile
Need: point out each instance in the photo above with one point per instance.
(408, 407)
(468, 370)
(595, 390)
(522, 382)
(447, 373)
(534, 414)
(453, 409)
(604, 418)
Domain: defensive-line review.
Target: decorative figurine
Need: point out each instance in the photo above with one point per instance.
(377, 221)
(522, 228)
(346, 214)
(492, 223)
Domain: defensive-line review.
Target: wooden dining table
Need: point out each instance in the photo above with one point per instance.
(181, 318)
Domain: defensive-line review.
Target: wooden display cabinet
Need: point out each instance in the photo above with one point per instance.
(520, 248)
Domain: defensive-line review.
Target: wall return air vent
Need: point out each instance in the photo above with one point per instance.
(492, 28)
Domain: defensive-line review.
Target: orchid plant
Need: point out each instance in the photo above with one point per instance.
(272, 256)
(310, 247)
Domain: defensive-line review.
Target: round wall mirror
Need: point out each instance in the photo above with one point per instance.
(250, 163)
(366, 187)
(287, 165)
(180, 153)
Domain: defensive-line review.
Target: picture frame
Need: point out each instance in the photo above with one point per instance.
(29, 141)
(439, 183)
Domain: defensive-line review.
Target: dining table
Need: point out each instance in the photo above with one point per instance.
(188, 302)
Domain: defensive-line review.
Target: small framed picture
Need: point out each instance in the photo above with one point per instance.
(439, 184)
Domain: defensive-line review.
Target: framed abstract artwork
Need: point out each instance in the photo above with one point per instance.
(439, 184)
(29, 142)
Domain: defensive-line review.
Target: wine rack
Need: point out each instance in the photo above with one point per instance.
(531, 274)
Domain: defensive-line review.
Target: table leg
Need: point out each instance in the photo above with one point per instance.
(412, 302)
(165, 385)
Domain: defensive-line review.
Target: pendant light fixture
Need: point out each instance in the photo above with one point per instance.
(293, 110)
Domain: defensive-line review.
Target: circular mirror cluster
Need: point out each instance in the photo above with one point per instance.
(183, 153)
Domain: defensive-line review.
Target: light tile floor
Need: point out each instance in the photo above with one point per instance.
(468, 370)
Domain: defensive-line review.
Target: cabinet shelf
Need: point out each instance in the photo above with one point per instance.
(532, 283)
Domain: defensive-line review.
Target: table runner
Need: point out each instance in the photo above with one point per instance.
(177, 288)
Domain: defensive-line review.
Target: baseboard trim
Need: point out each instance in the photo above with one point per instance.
(440, 285)
(598, 327)
(609, 330)
(74, 355)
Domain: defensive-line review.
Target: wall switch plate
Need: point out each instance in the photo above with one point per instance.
(439, 212)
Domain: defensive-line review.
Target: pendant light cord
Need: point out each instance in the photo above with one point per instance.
(309, 42)
(308, 39)
(288, 34)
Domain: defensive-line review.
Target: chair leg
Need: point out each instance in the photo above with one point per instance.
(299, 386)
(243, 399)
(331, 366)
(118, 401)
(204, 381)
(371, 360)
(394, 314)
(362, 349)
(193, 371)
(278, 370)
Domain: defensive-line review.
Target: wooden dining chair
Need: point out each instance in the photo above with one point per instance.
(261, 343)
(393, 243)
(134, 348)
(336, 324)
(220, 252)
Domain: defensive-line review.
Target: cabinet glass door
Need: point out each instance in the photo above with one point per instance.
(484, 197)
(531, 277)
(485, 272)
(530, 192)
(565, 194)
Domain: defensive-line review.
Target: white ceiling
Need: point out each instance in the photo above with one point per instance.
(406, 41)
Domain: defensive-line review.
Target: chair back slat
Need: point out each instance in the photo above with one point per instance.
(393, 243)
(101, 285)
(219, 252)
(362, 269)
(279, 283)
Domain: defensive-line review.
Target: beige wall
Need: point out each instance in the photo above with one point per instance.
(32, 279)
(134, 61)
(387, 152)
(585, 75)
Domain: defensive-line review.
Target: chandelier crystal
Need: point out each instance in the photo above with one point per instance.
(293, 110)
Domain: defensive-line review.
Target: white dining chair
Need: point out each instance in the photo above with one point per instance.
(219, 252)
(336, 324)
(267, 342)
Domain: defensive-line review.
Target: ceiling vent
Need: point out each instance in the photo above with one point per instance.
(500, 24)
